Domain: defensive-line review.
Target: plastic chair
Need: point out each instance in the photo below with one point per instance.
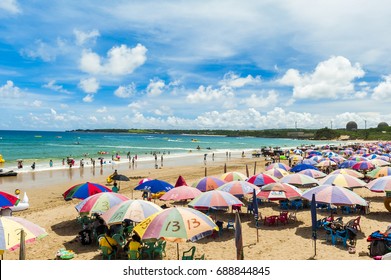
(329, 233)
(292, 217)
(283, 218)
(133, 255)
(128, 231)
(189, 254)
(148, 249)
(356, 223)
(160, 249)
(270, 221)
(201, 258)
(341, 235)
(284, 204)
(119, 238)
(297, 204)
(106, 255)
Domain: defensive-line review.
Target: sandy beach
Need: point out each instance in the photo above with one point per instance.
(283, 242)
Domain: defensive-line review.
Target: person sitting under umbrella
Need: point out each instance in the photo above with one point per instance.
(109, 242)
(115, 187)
(133, 244)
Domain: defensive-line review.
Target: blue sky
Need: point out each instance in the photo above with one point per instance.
(194, 64)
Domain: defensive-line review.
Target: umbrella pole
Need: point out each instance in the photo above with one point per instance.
(247, 173)
(255, 167)
(177, 250)
(206, 172)
(22, 249)
(225, 168)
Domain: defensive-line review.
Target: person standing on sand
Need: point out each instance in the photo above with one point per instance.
(50, 163)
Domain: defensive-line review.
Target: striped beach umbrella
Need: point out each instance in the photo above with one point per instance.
(350, 172)
(10, 232)
(84, 190)
(343, 180)
(233, 176)
(363, 165)
(135, 210)
(347, 164)
(238, 188)
(316, 174)
(7, 200)
(298, 179)
(278, 165)
(379, 172)
(154, 186)
(100, 202)
(214, 199)
(358, 158)
(377, 162)
(208, 183)
(279, 191)
(262, 179)
(181, 193)
(326, 163)
(382, 184)
(277, 172)
(334, 195)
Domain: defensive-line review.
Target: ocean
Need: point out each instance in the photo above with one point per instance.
(42, 146)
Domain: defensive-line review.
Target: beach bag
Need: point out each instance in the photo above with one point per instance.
(377, 247)
(85, 237)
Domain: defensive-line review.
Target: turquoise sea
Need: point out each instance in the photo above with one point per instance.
(42, 146)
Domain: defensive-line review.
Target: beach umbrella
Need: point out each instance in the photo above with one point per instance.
(144, 180)
(298, 179)
(358, 158)
(343, 180)
(239, 188)
(181, 193)
(233, 176)
(279, 191)
(8, 200)
(135, 210)
(381, 184)
(176, 224)
(363, 165)
(299, 167)
(10, 232)
(379, 172)
(278, 165)
(326, 163)
(309, 161)
(84, 190)
(276, 172)
(336, 195)
(316, 174)
(100, 202)
(350, 172)
(208, 183)
(154, 186)
(347, 164)
(215, 199)
(379, 162)
(262, 179)
(180, 182)
(120, 177)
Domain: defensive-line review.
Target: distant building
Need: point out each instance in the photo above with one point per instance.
(351, 126)
(382, 125)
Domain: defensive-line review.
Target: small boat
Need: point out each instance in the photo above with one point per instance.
(22, 205)
(7, 173)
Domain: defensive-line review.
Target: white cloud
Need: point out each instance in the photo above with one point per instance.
(9, 90)
(155, 87)
(10, 6)
(332, 78)
(235, 81)
(125, 91)
(102, 110)
(52, 85)
(207, 94)
(261, 101)
(383, 90)
(36, 103)
(89, 85)
(163, 111)
(85, 37)
(88, 98)
(120, 61)
(45, 51)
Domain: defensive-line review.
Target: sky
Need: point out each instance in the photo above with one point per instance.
(195, 64)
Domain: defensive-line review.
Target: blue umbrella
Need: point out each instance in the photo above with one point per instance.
(314, 220)
(154, 186)
(347, 164)
(301, 166)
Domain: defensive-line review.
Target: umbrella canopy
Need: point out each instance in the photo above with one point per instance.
(180, 182)
(316, 174)
(343, 180)
(278, 165)
(208, 183)
(334, 195)
(233, 176)
(100, 202)
(82, 191)
(363, 165)
(238, 188)
(135, 210)
(347, 164)
(181, 193)
(350, 172)
(7, 200)
(299, 167)
(326, 163)
(10, 227)
(379, 172)
(279, 191)
(381, 184)
(377, 162)
(120, 177)
(214, 199)
(144, 180)
(154, 186)
(262, 179)
(299, 179)
(276, 172)
(177, 224)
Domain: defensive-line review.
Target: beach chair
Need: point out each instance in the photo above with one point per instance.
(356, 223)
(283, 218)
(201, 258)
(120, 239)
(133, 255)
(160, 249)
(189, 254)
(284, 204)
(292, 217)
(341, 235)
(329, 233)
(270, 221)
(148, 249)
(105, 253)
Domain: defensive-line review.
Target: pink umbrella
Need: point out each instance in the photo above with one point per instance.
(233, 176)
(208, 183)
(363, 165)
(382, 184)
(343, 180)
(277, 172)
(215, 199)
(278, 165)
(262, 179)
(350, 172)
(298, 179)
(316, 174)
(279, 191)
(238, 188)
(181, 193)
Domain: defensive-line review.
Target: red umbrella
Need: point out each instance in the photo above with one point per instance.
(262, 179)
(7, 200)
(181, 193)
(363, 165)
(180, 182)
